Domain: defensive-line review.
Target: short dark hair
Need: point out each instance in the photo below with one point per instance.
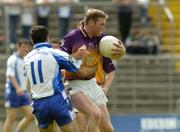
(38, 34)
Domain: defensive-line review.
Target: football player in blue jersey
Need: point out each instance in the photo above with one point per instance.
(15, 91)
(43, 65)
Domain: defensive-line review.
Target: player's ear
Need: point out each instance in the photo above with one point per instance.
(32, 41)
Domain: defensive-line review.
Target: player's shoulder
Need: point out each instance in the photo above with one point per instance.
(72, 33)
(12, 59)
(28, 55)
(59, 52)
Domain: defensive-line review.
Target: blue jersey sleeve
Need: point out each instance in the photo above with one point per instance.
(65, 61)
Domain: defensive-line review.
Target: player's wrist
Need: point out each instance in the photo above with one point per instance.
(74, 57)
(76, 62)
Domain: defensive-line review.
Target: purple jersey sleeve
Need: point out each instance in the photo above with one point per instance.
(67, 42)
(108, 65)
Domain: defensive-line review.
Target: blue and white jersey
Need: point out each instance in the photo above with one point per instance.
(15, 68)
(43, 66)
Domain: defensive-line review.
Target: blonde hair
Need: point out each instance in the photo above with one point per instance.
(94, 14)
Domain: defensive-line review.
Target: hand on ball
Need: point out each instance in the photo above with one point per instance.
(119, 50)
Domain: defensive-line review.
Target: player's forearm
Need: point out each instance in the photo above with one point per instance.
(109, 79)
(87, 72)
(14, 83)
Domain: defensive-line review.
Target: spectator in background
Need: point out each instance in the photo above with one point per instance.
(27, 17)
(64, 15)
(124, 17)
(1, 8)
(2, 37)
(142, 42)
(43, 12)
(135, 43)
(152, 41)
(15, 91)
(143, 5)
(13, 12)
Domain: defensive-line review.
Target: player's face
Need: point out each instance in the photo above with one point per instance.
(24, 49)
(99, 26)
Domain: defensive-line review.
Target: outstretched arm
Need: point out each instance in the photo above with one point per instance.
(108, 81)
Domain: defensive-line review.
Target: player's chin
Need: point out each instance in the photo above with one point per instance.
(99, 33)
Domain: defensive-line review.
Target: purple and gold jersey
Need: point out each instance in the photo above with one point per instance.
(73, 41)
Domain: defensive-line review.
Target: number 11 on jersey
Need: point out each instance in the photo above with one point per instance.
(34, 69)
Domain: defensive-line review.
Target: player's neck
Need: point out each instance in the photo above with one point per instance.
(20, 54)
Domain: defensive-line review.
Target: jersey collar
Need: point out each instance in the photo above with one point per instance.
(17, 54)
(84, 33)
(43, 44)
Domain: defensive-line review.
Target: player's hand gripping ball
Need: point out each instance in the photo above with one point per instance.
(111, 47)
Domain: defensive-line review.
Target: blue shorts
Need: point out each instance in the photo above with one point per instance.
(12, 100)
(52, 108)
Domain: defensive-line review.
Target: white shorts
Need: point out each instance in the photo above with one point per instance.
(90, 88)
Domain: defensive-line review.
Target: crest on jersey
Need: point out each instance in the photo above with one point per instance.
(62, 43)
